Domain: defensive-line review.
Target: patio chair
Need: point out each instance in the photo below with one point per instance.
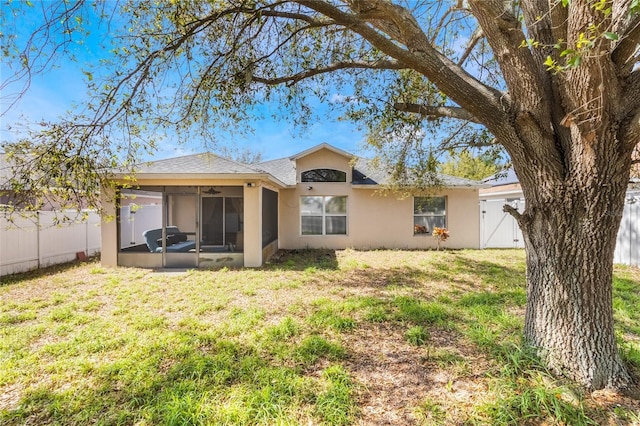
(176, 240)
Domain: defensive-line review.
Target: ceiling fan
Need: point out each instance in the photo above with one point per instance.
(212, 191)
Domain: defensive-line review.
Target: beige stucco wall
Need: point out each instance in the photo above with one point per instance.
(253, 226)
(108, 230)
(374, 220)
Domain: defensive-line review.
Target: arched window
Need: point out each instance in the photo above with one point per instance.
(324, 175)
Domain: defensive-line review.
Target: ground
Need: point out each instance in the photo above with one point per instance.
(315, 337)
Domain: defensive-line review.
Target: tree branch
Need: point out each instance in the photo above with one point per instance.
(628, 46)
(431, 111)
(507, 208)
(631, 99)
(473, 41)
(393, 30)
(504, 33)
(342, 65)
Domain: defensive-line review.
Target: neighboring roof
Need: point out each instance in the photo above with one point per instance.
(504, 177)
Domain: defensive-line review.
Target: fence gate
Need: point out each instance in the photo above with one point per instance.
(497, 228)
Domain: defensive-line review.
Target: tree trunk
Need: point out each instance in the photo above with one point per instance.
(570, 228)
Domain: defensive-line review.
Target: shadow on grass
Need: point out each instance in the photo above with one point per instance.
(302, 260)
(455, 274)
(46, 271)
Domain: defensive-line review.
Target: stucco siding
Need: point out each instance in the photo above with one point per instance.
(375, 220)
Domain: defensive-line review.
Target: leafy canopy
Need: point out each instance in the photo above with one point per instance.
(414, 74)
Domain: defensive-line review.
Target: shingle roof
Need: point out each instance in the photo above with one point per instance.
(283, 169)
(458, 182)
(365, 172)
(204, 163)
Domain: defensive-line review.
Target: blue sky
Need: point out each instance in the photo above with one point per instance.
(56, 92)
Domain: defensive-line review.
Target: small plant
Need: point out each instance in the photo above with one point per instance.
(440, 234)
(417, 335)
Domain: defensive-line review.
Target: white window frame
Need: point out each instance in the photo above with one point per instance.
(429, 214)
(325, 215)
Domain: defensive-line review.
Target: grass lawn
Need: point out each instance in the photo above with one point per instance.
(317, 337)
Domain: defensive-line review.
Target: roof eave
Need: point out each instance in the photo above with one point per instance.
(199, 176)
(378, 186)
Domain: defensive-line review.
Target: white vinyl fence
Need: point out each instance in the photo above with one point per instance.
(33, 242)
(500, 230)
(628, 243)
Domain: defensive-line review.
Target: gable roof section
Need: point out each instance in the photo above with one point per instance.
(284, 169)
(319, 147)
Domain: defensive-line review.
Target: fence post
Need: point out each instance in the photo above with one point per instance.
(38, 236)
(86, 236)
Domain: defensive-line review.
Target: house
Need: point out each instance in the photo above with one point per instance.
(207, 211)
(500, 230)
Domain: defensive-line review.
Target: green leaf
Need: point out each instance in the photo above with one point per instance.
(611, 36)
(574, 61)
(549, 62)
(565, 3)
(567, 52)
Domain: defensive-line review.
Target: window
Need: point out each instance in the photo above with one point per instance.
(269, 216)
(323, 215)
(429, 212)
(324, 175)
